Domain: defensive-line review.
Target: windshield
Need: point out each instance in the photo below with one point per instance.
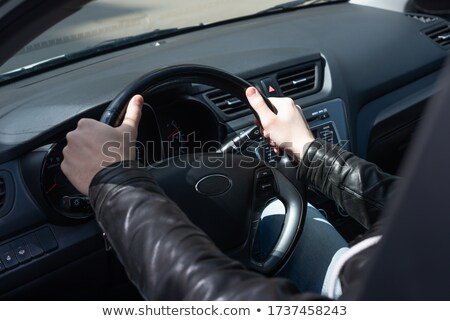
(107, 21)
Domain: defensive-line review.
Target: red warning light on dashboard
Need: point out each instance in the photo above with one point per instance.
(271, 89)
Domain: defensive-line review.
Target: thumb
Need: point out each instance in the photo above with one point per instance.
(133, 113)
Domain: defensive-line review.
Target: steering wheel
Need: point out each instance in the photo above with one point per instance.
(222, 193)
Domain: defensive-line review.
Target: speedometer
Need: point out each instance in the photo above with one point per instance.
(59, 192)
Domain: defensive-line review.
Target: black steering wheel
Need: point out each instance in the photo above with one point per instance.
(223, 194)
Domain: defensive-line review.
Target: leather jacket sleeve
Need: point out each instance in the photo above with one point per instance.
(359, 187)
(169, 258)
(165, 255)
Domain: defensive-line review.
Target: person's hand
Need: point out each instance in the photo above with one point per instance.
(94, 145)
(288, 129)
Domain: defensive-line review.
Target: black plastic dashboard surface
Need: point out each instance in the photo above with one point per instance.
(369, 52)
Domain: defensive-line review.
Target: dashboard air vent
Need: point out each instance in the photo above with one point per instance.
(227, 103)
(299, 81)
(2, 192)
(422, 18)
(441, 36)
(6, 193)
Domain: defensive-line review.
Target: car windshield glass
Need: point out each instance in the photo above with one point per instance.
(102, 23)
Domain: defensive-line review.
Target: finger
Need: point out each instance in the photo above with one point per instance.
(64, 163)
(134, 112)
(72, 138)
(257, 103)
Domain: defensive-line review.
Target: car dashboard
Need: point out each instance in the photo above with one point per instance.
(362, 77)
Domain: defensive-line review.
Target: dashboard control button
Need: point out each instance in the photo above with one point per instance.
(324, 116)
(21, 250)
(47, 239)
(34, 246)
(270, 87)
(265, 187)
(318, 115)
(264, 173)
(9, 260)
(327, 132)
(22, 253)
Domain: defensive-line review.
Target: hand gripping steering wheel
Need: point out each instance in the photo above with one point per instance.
(223, 194)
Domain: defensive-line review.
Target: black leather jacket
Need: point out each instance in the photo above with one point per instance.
(169, 258)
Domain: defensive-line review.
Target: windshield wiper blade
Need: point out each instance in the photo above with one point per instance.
(28, 69)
